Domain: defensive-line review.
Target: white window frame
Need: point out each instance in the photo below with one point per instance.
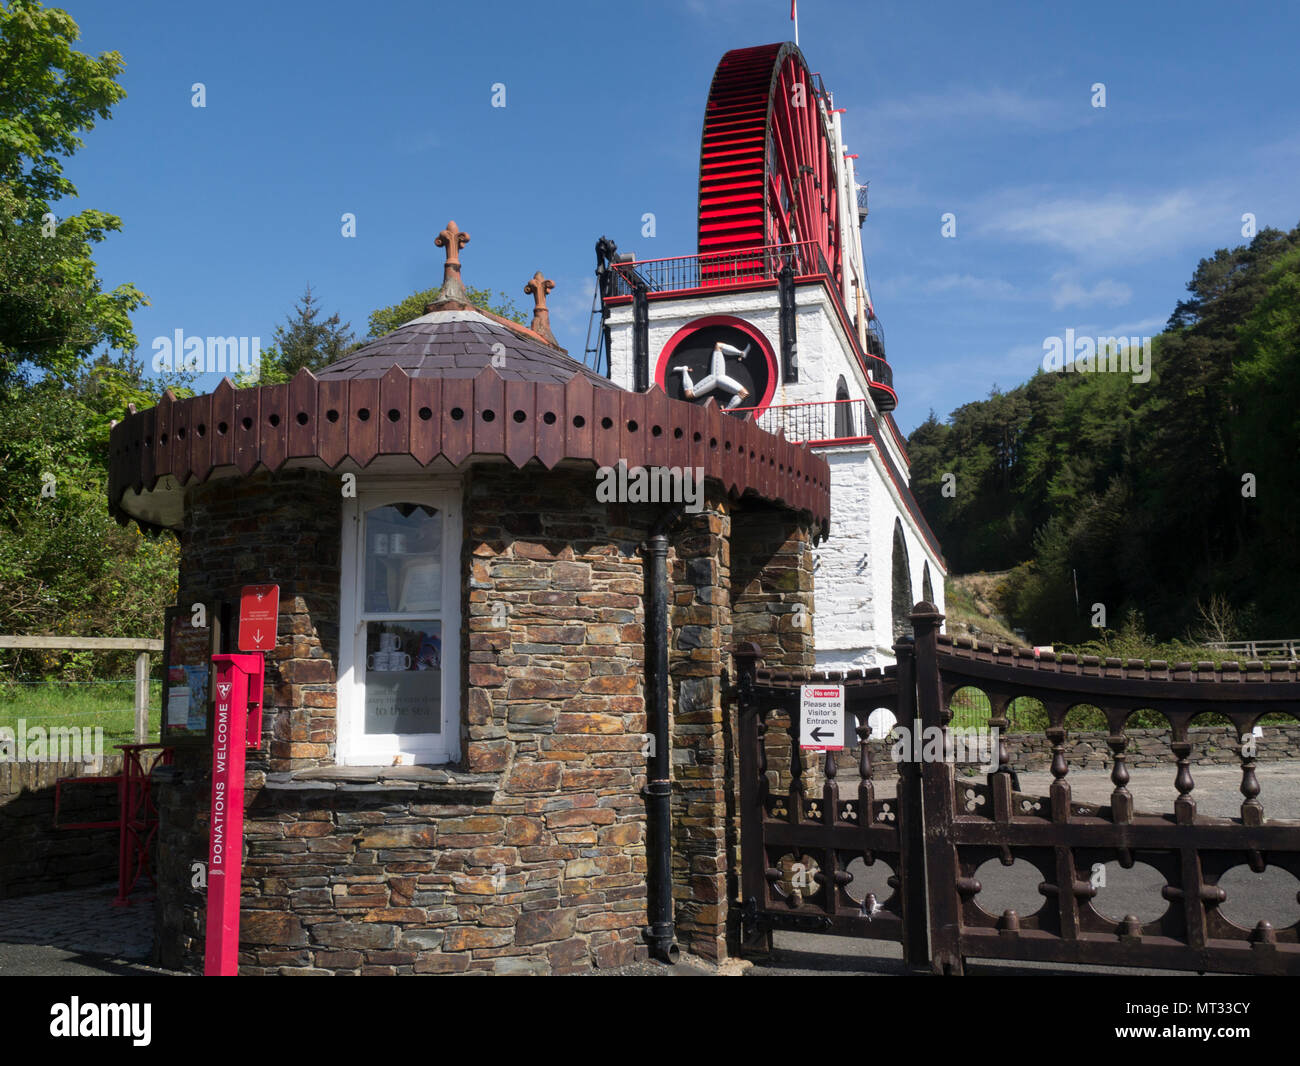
(355, 747)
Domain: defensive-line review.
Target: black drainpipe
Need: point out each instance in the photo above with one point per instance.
(659, 934)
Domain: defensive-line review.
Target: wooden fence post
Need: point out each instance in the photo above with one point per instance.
(911, 827)
(937, 788)
(142, 697)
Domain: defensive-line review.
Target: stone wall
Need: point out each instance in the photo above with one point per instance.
(282, 530)
(772, 594)
(530, 855)
(262, 529)
(700, 624)
(35, 856)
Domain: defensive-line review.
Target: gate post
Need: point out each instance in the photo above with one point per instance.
(911, 825)
(937, 798)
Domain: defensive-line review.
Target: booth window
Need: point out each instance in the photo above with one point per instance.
(399, 653)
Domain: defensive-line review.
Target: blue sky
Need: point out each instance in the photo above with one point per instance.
(1068, 216)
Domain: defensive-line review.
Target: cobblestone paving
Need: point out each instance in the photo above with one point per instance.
(83, 921)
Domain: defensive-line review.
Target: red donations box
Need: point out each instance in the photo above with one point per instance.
(259, 609)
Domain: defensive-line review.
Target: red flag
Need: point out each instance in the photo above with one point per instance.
(794, 14)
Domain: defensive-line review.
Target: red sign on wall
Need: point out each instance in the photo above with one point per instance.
(259, 608)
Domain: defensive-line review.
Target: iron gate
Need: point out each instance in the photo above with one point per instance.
(938, 830)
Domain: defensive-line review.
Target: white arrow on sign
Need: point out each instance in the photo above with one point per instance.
(821, 717)
(258, 635)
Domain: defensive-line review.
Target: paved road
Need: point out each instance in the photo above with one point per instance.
(78, 933)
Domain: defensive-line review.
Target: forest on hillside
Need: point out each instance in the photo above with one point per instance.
(1172, 502)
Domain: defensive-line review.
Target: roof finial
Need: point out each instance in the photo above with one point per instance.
(538, 288)
(453, 240)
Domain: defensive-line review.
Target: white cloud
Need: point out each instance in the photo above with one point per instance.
(1068, 292)
(1112, 226)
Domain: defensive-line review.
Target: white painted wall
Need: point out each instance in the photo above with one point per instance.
(853, 618)
(853, 624)
(825, 353)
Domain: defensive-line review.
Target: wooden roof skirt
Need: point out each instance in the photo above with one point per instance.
(361, 419)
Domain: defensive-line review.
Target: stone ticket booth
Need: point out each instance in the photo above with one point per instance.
(460, 704)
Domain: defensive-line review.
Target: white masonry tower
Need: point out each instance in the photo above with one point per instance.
(773, 319)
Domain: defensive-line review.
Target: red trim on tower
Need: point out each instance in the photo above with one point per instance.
(720, 320)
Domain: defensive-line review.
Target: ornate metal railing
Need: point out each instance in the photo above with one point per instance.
(814, 423)
(718, 269)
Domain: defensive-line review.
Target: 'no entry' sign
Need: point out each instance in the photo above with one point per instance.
(821, 717)
(259, 609)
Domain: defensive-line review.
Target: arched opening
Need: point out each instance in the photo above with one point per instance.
(843, 410)
(901, 585)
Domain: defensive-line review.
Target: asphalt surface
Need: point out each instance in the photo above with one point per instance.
(76, 934)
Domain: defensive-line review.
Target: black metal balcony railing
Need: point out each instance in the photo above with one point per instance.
(875, 338)
(813, 423)
(704, 271)
(723, 269)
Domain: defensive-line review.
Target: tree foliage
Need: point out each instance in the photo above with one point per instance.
(53, 310)
(306, 340)
(66, 566)
(1141, 493)
(387, 319)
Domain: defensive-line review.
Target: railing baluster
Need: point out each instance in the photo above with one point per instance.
(796, 794)
(1184, 805)
(866, 789)
(1121, 799)
(1252, 811)
(1000, 780)
(1060, 789)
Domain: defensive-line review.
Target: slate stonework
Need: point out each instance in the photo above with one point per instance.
(530, 855)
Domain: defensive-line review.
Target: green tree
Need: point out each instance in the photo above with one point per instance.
(387, 319)
(1156, 497)
(65, 565)
(305, 340)
(53, 310)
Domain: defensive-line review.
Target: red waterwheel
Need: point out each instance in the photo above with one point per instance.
(767, 174)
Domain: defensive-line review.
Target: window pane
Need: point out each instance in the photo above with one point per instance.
(403, 558)
(403, 672)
